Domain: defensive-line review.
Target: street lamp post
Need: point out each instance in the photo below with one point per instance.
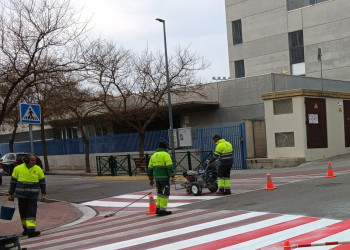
(169, 96)
(319, 58)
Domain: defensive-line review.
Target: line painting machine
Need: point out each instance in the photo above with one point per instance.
(202, 178)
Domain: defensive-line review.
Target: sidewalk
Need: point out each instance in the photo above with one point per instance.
(50, 215)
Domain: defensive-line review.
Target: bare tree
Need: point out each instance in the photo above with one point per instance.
(83, 110)
(49, 91)
(134, 88)
(31, 31)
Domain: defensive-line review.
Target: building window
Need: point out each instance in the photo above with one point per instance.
(72, 132)
(101, 130)
(282, 106)
(237, 32)
(296, 4)
(296, 47)
(284, 139)
(239, 69)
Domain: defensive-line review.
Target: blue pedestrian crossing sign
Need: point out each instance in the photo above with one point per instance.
(30, 113)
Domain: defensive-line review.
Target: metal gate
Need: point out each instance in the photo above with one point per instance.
(235, 134)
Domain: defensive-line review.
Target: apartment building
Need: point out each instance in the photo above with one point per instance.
(297, 37)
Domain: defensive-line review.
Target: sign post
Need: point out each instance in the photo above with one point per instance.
(31, 114)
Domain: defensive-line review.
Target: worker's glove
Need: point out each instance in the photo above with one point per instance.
(172, 180)
(151, 183)
(43, 198)
(10, 197)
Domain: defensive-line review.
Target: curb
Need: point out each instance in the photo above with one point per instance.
(131, 178)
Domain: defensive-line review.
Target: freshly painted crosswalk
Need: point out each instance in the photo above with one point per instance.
(193, 229)
(179, 197)
(130, 228)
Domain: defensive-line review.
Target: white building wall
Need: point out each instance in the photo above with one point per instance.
(294, 122)
(265, 28)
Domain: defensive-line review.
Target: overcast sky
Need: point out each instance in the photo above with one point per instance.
(198, 23)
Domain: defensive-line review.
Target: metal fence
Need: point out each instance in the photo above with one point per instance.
(202, 140)
(115, 165)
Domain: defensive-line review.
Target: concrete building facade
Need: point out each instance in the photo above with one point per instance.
(297, 37)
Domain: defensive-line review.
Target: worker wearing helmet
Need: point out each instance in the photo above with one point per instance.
(160, 169)
(224, 154)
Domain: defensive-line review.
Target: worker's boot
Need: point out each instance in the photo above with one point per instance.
(164, 212)
(220, 191)
(33, 233)
(25, 232)
(227, 191)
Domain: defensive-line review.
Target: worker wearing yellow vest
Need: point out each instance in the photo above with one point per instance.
(224, 155)
(26, 182)
(160, 169)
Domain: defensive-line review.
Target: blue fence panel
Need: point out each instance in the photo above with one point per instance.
(235, 134)
(202, 139)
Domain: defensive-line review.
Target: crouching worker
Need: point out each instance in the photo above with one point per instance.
(161, 170)
(26, 182)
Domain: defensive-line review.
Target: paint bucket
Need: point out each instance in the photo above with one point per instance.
(7, 212)
(9, 242)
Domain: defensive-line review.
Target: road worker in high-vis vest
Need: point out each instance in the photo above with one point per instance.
(26, 182)
(161, 170)
(224, 155)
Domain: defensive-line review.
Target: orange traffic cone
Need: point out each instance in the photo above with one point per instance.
(330, 171)
(269, 185)
(287, 246)
(152, 205)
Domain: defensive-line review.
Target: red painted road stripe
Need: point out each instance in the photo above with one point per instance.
(230, 241)
(191, 220)
(341, 247)
(203, 232)
(313, 235)
(191, 216)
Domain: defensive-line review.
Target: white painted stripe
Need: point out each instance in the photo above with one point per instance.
(124, 204)
(172, 197)
(342, 236)
(227, 233)
(154, 237)
(282, 235)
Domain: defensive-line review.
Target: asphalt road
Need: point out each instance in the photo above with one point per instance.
(321, 197)
(79, 189)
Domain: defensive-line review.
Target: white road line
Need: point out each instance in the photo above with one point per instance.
(282, 235)
(123, 204)
(180, 231)
(227, 233)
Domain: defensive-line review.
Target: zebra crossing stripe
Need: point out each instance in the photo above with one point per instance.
(321, 234)
(192, 229)
(227, 233)
(181, 231)
(123, 204)
(270, 239)
(116, 229)
(232, 240)
(173, 196)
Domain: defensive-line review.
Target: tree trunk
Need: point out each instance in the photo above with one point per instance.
(43, 143)
(13, 134)
(87, 149)
(142, 135)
